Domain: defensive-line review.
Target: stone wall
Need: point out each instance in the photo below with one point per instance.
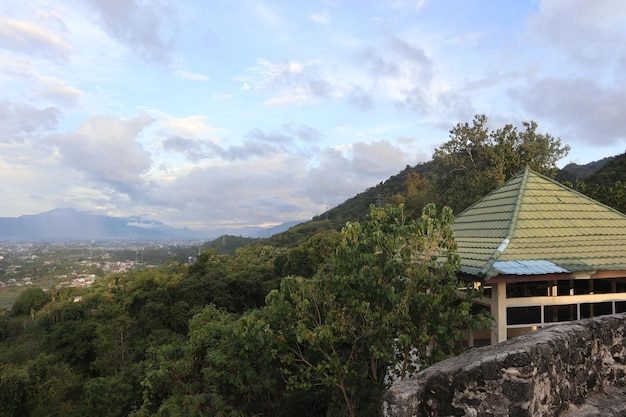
(551, 372)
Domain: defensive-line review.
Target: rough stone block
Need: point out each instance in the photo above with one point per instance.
(539, 374)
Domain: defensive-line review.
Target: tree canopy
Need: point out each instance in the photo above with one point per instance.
(389, 296)
(477, 159)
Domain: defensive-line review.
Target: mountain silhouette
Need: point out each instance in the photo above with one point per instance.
(69, 224)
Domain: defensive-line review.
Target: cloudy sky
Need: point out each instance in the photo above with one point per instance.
(204, 114)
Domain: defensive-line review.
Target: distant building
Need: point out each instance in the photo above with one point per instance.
(543, 254)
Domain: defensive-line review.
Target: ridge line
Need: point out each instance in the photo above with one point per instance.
(503, 245)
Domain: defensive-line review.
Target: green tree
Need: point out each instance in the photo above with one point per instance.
(417, 194)
(306, 258)
(613, 195)
(54, 387)
(4, 325)
(115, 332)
(476, 160)
(29, 301)
(251, 274)
(390, 293)
(39, 387)
(205, 283)
(72, 342)
(14, 390)
(108, 396)
(227, 368)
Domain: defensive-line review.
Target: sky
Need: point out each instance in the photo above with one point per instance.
(236, 113)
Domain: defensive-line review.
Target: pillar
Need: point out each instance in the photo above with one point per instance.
(498, 312)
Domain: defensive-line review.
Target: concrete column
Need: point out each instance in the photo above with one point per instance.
(498, 312)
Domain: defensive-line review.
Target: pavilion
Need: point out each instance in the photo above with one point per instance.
(543, 254)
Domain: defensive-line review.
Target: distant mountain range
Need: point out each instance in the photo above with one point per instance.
(73, 225)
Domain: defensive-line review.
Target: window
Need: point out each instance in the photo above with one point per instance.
(603, 286)
(523, 315)
(595, 309)
(527, 289)
(565, 312)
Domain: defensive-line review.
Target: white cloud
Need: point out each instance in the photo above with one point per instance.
(374, 159)
(57, 91)
(45, 87)
(304, 133)
(589, 110)
(188, 136)
(20, 36)
(192, 76)
(107, 152)
(194, 126)
(16, 68)
(332, 98)
(289, 82)
(407, 4)
(576, 86)
(586, 31)
(341, 174)
(275, 185)
(36, 175)
(281, 185)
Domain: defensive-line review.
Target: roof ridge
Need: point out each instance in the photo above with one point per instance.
(509, 234)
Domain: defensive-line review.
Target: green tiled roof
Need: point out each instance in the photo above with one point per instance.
(534, 218)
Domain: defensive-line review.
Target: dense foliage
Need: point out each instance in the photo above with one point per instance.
(389, 296)
(476, 159)
(310, 330)
(607, 185)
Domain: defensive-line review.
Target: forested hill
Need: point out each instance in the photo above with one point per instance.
(357, 207)
(573, 172)
(612, 171)
(353, 209)
(604, 172)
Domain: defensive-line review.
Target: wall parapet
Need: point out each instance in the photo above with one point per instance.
(543, 373)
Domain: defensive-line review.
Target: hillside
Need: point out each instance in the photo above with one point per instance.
(357, 207)
(228, 244)
(613, 170)
(573, 172)
(604, 171)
